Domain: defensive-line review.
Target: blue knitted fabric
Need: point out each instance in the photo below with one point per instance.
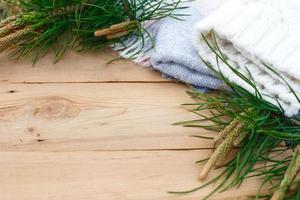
(175, 55)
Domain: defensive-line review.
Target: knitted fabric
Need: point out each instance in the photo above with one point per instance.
(175, 56)
(254, 34)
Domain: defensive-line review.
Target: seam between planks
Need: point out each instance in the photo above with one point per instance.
(113, 150)
(82, 82)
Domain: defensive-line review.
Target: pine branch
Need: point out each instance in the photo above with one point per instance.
(222, 151)
(8, 8)
(265, 127)
(72, 24)
(117, 30)
(10, 40)
(289, 176)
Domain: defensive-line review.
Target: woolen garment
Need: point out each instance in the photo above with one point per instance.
(173, 52)
(252, 33)
(176, 56)
(257, 37)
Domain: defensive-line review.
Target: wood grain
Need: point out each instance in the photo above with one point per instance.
(83, 129)
(106, 176)
(78, 68)
(75, 117)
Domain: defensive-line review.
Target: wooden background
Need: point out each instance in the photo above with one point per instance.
(83, 129)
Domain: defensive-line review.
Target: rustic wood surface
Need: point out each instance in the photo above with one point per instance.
(83, 129)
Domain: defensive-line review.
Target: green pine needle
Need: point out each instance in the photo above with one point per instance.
(70, 24)
(266, 125)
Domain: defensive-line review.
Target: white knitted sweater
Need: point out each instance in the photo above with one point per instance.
(252, 33)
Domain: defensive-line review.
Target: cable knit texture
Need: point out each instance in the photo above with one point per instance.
(255, 33)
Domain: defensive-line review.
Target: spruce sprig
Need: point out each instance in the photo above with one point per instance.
(265, 129)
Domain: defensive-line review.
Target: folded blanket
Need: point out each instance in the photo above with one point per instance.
(175, 55)
(256, 35)
(251, 33)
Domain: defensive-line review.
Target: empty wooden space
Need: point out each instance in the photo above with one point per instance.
(83, 129)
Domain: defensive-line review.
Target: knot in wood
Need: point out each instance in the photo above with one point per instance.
(56, 108)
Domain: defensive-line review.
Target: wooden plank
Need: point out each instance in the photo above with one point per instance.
(76, 116)
(107, 176)
(76, 68)
(84, 129)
